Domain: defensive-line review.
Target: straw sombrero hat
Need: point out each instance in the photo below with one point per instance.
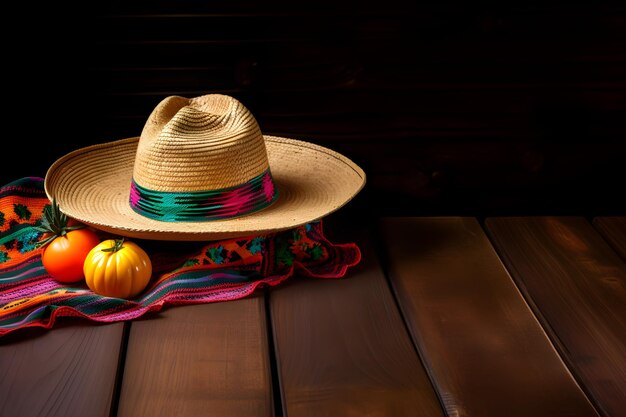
(201, 170)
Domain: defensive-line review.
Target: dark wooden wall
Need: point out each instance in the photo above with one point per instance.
(449, 108)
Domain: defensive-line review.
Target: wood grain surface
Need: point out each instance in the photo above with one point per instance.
(199, 360)
(343, 350)
(484, 349)
(613, 229)
(69, 371)
(577, 287)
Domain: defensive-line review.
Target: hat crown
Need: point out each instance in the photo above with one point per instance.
(210, 142)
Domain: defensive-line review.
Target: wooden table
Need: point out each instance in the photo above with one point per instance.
(510, 316)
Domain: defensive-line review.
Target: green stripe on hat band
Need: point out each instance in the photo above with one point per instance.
(251, 196)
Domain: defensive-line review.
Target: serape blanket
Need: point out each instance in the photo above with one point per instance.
(183, 272)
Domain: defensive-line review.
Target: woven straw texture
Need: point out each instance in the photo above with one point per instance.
(207, 143)
(93, 185)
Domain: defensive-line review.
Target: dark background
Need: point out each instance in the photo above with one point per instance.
(450, 108)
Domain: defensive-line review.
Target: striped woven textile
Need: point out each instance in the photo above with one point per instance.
(183, 272)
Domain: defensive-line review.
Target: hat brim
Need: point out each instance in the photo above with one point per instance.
(92, 185)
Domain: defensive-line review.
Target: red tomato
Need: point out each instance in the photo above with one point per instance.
(64, 257)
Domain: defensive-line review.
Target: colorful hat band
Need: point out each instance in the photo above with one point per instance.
(245, 198)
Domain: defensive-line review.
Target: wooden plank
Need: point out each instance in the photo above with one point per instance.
(486, 352)
(577, 287)
(67, 371)
(613, 229)
(208, 359)
(342, 349)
